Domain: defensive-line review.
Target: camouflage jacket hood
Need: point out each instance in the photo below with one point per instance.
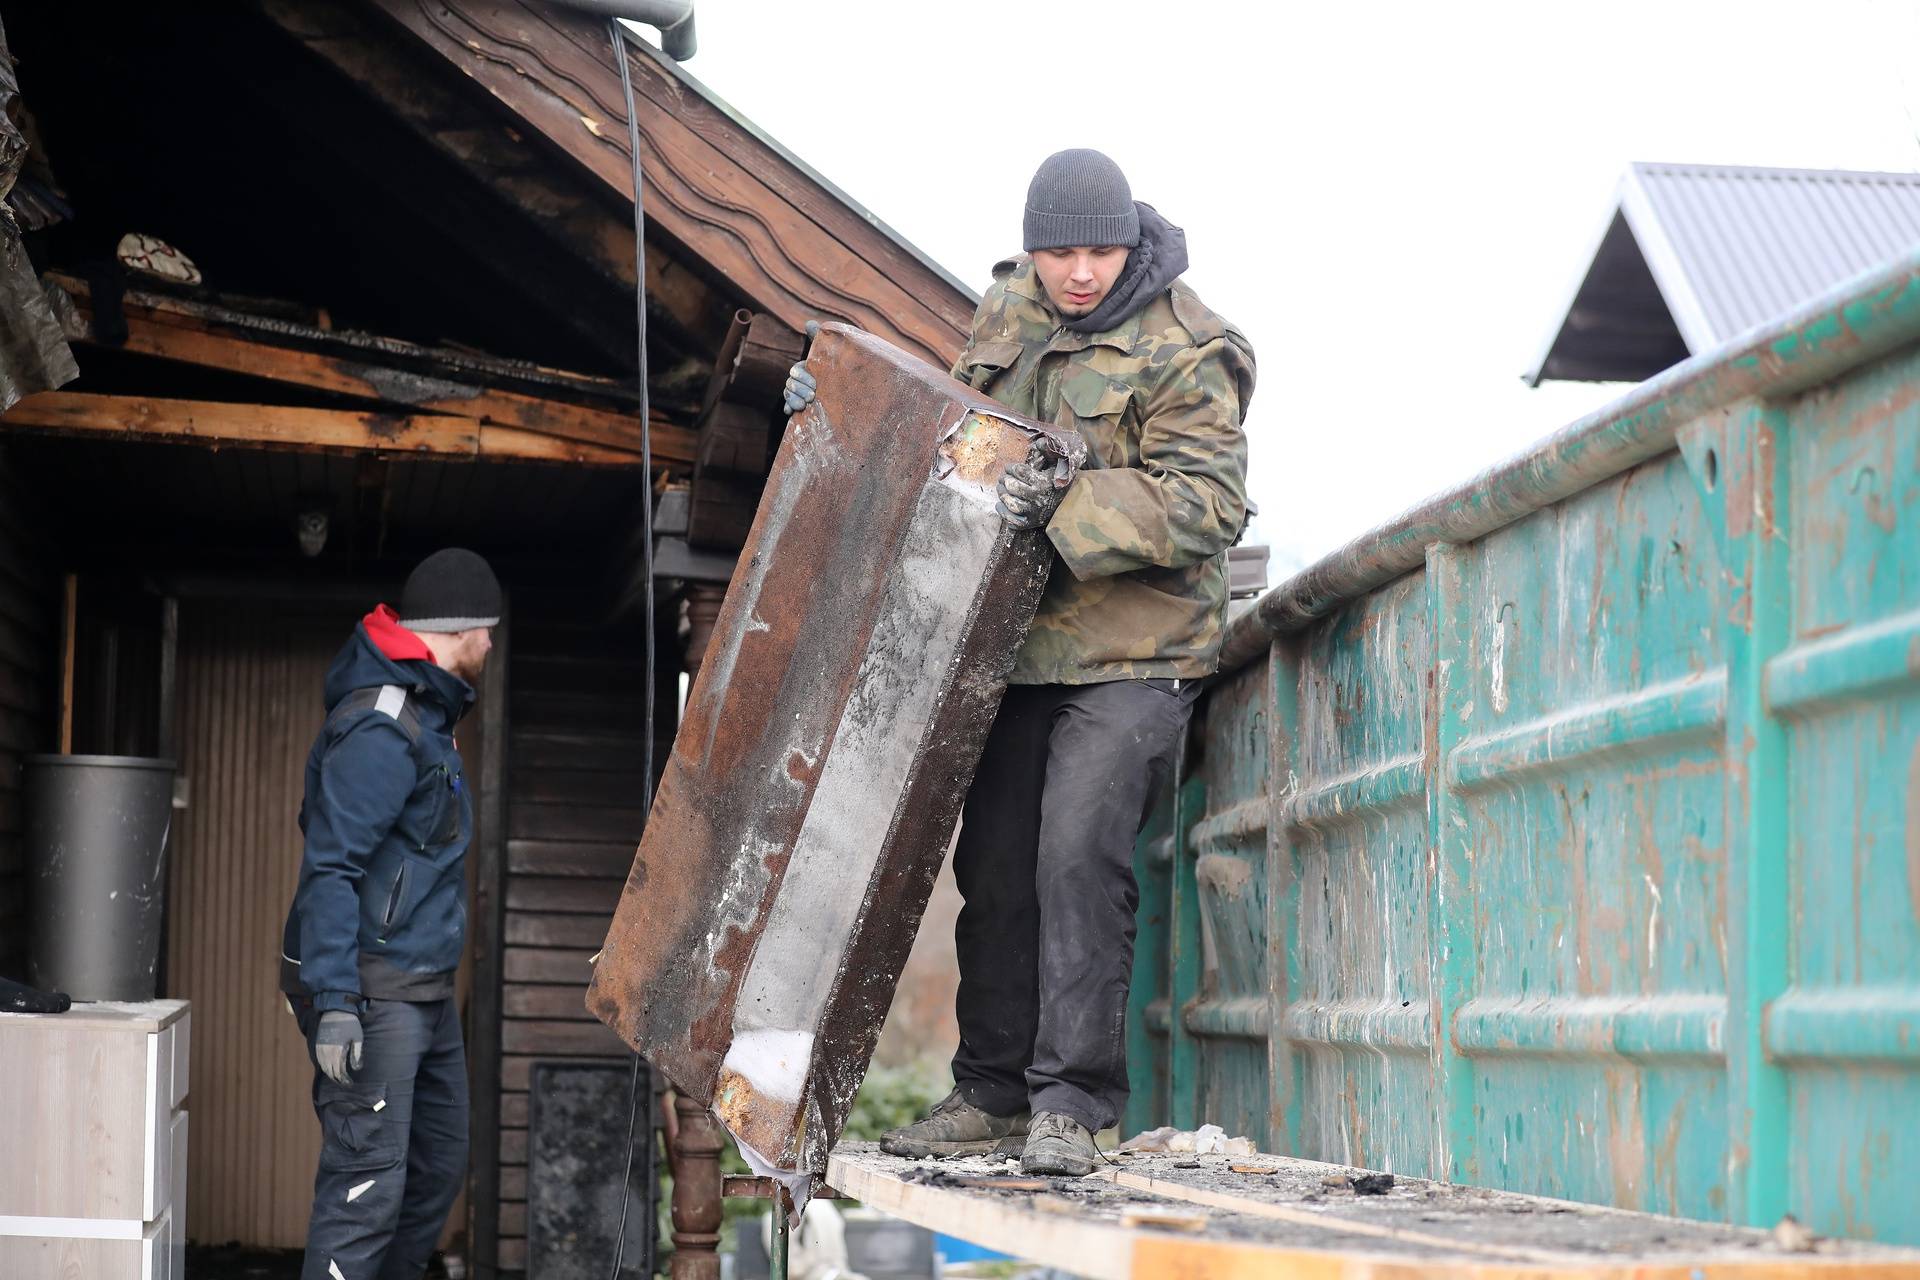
(1140, 589)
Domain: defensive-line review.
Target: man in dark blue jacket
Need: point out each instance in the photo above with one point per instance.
(380, 919)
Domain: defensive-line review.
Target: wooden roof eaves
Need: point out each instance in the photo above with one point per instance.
(775, 234)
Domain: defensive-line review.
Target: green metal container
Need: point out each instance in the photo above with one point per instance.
(1564, 834)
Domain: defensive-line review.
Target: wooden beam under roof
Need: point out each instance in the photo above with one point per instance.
(264, 426)
(155, 329)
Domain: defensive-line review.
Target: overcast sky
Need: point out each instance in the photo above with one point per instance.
(1392, 200)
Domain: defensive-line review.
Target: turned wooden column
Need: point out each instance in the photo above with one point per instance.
(698, 1192)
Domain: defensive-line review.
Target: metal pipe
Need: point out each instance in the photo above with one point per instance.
(777, 1256)
(672, 18)
(1850, 324)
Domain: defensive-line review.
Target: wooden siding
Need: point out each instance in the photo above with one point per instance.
(249, 705)
(573, 821)
(29, 695)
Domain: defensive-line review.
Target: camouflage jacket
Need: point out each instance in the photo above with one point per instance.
(1140, 588)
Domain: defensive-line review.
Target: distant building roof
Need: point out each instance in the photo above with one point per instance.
(1696, 253)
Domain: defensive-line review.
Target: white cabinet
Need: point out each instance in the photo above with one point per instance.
(94, 1182)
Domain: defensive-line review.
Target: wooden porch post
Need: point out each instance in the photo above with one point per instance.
(697, 1192)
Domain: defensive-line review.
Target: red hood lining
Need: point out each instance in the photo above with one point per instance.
(393, 640)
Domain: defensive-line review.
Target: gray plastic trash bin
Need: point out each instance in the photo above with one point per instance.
(96, 836)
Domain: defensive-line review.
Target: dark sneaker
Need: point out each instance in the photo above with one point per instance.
(1058, 1146)
(955, 1127)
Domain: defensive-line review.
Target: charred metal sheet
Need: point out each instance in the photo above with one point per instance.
(842, 705)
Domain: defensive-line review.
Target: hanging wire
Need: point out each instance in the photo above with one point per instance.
(619, 39)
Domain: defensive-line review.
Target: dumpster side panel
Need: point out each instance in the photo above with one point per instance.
(1354, 836)
(1846, 1031)
(1583, 791)
(1228, 1016)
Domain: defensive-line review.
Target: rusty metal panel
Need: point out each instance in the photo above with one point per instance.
(826, 747)
(1594, 857)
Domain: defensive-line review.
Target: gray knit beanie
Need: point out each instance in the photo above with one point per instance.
(1080, 198)
(451, 590)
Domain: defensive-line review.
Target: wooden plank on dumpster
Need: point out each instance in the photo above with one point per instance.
(1146, 1216)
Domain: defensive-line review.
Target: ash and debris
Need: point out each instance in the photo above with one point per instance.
(1438, 1214)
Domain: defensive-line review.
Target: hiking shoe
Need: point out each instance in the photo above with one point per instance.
(1058, 1146)
(955, 1127)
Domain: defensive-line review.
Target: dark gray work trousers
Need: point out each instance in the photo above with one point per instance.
(1045, 865)
(393, 1143)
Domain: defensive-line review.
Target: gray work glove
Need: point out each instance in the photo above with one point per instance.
(800, 384)
(1027, 494)
(338, 1044)
(800, 389)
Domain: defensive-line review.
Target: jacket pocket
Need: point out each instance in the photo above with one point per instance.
(395, 897)
(355, 1132)
(446, 819)
(1099, 409)
(982, 362)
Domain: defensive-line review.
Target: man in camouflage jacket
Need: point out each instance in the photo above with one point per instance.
(1093, 329)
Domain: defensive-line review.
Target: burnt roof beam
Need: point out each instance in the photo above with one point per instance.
(218, 423)
(156, 327)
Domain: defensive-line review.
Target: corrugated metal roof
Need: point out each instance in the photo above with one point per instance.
(1748, 245)
(1730, 247)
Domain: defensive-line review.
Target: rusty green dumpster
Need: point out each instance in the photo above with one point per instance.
(1563, 835)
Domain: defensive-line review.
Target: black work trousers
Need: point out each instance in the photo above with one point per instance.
(1045, 865)
(393, 1143)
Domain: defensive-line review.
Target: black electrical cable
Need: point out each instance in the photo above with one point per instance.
(646, 561)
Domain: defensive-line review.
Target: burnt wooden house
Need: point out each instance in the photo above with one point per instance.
(414, 327)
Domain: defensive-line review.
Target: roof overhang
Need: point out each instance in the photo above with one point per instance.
(1631, 314)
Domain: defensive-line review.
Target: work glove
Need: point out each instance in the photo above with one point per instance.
(801, 387)
(1027, 493)
(338, 1044)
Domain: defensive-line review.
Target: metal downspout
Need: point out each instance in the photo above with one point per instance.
(672, 18)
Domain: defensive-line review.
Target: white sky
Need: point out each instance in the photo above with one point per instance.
(1393, 200)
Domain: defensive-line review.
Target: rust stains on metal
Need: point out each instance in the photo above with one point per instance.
(853, 671)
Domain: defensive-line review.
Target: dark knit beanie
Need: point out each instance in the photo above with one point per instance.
(451, 590)
(1079, 198)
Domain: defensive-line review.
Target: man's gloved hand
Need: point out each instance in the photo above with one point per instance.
(337, 1045)
(800, 384)
(1027, 494)
(800, 389)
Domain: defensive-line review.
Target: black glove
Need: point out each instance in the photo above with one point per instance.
(338, 1044)
(1028, 494)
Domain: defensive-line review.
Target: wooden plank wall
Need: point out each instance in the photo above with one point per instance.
(249, 705)
(29, 694)
(573, 822)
